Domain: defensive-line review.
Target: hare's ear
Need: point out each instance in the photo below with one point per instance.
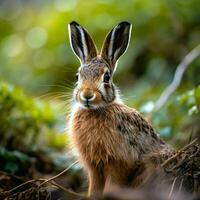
(81, 42)
(116, 43)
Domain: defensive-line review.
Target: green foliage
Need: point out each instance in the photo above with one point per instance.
(25, 122)
(191, 99)
(14, 161)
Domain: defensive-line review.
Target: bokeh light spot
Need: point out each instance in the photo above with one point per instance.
(12, 45)
(63, 5)
(36, 37)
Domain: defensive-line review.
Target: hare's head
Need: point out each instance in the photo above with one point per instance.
(94, 86)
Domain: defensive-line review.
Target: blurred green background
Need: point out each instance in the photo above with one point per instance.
(37, 66)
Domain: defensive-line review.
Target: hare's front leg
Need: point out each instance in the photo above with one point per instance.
(115, 178)
(96, 181)
(111, 185)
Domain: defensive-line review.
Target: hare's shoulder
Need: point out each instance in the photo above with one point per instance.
(131, 117)
(138, 130)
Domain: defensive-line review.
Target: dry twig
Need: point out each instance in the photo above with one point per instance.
(49, 181)
(172, 187)
(177, 77)
(179, 152)
(56, 176)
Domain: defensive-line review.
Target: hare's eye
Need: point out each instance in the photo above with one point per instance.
(106, 77)
(77, 76)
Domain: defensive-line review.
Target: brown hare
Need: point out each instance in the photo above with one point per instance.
(109, 136)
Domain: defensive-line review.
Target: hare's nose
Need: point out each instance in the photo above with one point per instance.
(89, 96)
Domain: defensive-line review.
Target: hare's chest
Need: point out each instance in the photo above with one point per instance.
(96, 139)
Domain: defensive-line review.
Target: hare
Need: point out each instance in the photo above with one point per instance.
(110, 137)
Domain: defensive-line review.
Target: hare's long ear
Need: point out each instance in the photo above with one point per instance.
(81, 42)
(116, 43)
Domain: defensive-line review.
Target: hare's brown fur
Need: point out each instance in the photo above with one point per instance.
(114, 142)
(110, 141)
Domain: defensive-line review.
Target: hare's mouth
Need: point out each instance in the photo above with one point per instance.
(87, 103)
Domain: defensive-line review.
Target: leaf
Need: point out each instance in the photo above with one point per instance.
(11, 167)
(197, 97)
